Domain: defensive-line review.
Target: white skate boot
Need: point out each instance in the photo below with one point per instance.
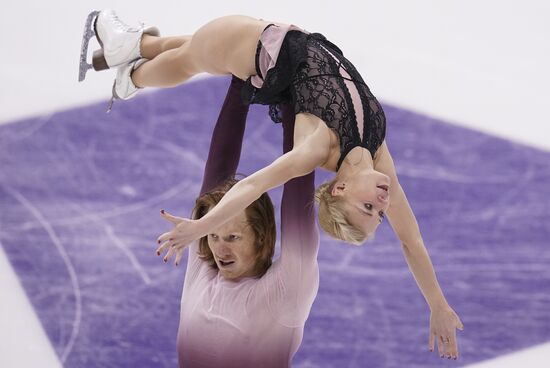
(120, 43)
(123, 87)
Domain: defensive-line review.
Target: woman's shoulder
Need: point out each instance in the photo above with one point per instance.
(383, 162)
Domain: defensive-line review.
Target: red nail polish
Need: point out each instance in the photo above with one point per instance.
(162, 211)
(158, 253)
(165, 260)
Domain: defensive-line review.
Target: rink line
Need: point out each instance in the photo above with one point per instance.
(29, 345)
(533, 357)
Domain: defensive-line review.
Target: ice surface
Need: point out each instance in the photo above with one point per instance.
(80, 192)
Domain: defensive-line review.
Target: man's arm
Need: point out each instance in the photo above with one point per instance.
(290, 286)
(299, 233)
(227, 138)
(223, 156)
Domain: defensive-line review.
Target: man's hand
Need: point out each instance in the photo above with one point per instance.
(175, 241)
(443, 324)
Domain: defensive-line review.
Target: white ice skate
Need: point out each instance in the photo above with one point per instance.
(123, 87)
(119, 42)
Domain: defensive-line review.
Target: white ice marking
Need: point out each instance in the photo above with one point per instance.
(533, 357)
(117, 242)
(346, 260)
(478, 267)
(128, 190)
(189, 156)
(68, 264)
(24, 341)
(128, 253)
(77, 220)
(362, 270)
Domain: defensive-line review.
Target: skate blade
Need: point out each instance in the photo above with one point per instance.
(113, 98)
(89, 32)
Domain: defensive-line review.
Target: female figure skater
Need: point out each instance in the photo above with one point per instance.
(237, 308)
(339, 126)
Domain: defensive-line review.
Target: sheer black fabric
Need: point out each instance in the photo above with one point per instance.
(307, 75)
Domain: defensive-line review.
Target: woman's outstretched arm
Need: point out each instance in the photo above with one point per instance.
(443, 320)
(300, 161)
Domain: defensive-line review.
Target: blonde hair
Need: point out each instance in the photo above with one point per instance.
(332, 217)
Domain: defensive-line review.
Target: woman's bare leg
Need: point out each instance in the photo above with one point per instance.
(167, 69)
(152, 46)
(225, 45)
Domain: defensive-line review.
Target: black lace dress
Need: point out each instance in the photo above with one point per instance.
(307, 74)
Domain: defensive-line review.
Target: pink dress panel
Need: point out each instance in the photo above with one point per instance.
(271, 39)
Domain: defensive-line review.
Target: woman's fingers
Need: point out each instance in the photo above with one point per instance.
(440, 347)
(446, 346)
(164, 237)
(460, 324)
(173, 219)
(443, 328)
(179, 254)
(165, 246)
(172, 242)
(448, 341)
(454, 346)
(171, 250)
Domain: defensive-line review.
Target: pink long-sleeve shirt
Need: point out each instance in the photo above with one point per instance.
(255, 322)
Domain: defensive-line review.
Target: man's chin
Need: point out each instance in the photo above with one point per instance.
(226, 274)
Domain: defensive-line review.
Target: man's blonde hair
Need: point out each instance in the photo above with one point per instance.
(332, 216)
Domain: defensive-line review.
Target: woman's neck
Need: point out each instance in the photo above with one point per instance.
(356, 161)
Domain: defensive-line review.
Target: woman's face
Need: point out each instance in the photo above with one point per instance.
(232, 245)
(366, 199)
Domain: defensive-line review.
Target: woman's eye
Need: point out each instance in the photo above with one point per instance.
(213, 236)
(368, 206)
(234, 237)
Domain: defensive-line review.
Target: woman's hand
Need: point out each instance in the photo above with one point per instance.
(443, 324)
(184, 232)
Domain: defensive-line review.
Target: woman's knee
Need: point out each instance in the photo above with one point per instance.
(186, 59)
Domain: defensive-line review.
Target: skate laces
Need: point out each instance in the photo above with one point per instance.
(120, 24)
